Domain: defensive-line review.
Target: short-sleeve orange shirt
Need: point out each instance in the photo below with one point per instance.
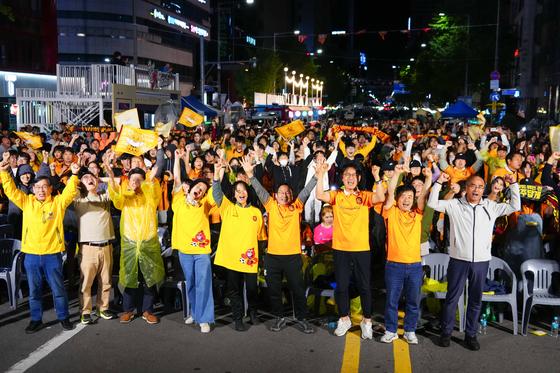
(284, 236)
(351, 220)
(404, 230)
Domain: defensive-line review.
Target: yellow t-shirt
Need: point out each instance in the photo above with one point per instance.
(351, 220)
(284, 236)
(501, 172)
(238, 246)
(191, 229)
(459, 175)
(404, 230)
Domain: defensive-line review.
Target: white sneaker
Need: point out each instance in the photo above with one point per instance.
(367, 329)
(204, 327)
(411, 338)
(189, 321)
(342, 327)
(389, 337)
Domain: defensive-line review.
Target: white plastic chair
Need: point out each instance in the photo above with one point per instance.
(537, 291)
(511, 298)
(9, 268)
(438, 264)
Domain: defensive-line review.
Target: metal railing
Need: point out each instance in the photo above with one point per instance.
(97, 80)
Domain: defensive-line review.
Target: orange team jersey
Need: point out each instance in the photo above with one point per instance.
(194, 174)
(379, 205)
(457, 175)
(284, 237)
(351, 220)
(404, 230)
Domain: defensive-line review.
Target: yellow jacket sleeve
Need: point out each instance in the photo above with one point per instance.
(342, 147)
(12, 192)
(368, 148)
(115, 194)
(152, 191)
(69, 192)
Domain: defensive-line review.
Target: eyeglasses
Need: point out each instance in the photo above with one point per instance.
(473, 186)
(349, 175)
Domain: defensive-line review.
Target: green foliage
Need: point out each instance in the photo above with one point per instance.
(7, 12)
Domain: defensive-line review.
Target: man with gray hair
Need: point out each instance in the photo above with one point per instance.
(471, 226)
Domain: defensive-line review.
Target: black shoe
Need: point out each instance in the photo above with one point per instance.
(240, 326)
(253, 319)
(304, 326)
(33, 326)
(444, 340)
(86, 319)
(107, 315)
(279, 324)
(472, 343)
(67, 324)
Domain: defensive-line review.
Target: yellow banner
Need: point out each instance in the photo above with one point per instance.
(33, 141)
(554, 133)
(136, 141)
(163, 129)
(371, 130)
(190, 118)
(291, 130)
(126, 118)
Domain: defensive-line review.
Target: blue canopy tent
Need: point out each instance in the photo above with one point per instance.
(459, 110)
(194, 104)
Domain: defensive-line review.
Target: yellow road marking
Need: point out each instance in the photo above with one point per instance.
(401, 354)
(351, 357)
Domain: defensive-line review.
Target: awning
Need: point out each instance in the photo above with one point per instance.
(194, 104)
(459, 110)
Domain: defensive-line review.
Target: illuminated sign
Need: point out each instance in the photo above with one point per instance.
(362, 58)
(157, 14)
(250, 40)
(338, 33)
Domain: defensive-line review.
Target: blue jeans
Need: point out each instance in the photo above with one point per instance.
(51, 267)
(397, 277)
(198, 275)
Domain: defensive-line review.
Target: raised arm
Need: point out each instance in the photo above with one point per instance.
(306, 191)
(12, 192)
(248, 167)
(421, 201)
(515, 199)
(434, 201)
(379, 195)
(443, 156)
(320, 169)
(392, 186)
(151, 187)
(179, 153)
(217, 193)
(479, 161)
(71, 188)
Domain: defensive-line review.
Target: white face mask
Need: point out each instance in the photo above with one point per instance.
(283, 162)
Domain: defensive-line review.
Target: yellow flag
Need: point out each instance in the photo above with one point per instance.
(33, 141)
(291, 130)
(163, 129)
(136, 141)
(190, 118)
(126, 118)
(554, 133)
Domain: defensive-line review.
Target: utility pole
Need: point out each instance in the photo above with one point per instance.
(497, 39)
(219, 65)
(135, 44)
(202, 94)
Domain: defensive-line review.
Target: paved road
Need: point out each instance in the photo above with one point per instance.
(173, 346)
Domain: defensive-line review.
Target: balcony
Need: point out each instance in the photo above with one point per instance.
(96, 81)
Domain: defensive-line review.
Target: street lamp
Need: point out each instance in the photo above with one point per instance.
(423, 45)
(296, 32)
(293, 83)
(307, 89)
(441, 14)
(285, 78)
(249, 1)
(300, 84)
(319, 51)
(412, 60)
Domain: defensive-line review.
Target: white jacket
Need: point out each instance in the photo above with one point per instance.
(471, 226)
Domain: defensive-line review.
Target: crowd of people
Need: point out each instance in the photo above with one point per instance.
(241, 201)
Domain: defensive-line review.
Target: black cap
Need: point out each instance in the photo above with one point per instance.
(415, 163)
(388, 166)
(125, 156)
(461, 156)
(137, 170)
(84, 171)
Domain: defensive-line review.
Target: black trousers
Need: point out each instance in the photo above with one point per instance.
(347, 263)
(235, 282)
(290, 265)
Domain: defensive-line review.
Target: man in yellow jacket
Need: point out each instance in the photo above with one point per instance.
(141, 265)
(42, 240)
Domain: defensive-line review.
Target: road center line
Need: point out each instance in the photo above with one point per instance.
(351, 357)
(401, 353)
(45, 349)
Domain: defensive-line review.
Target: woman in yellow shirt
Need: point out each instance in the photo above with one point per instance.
(238, 250)
(403, 270)
(191, 237)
